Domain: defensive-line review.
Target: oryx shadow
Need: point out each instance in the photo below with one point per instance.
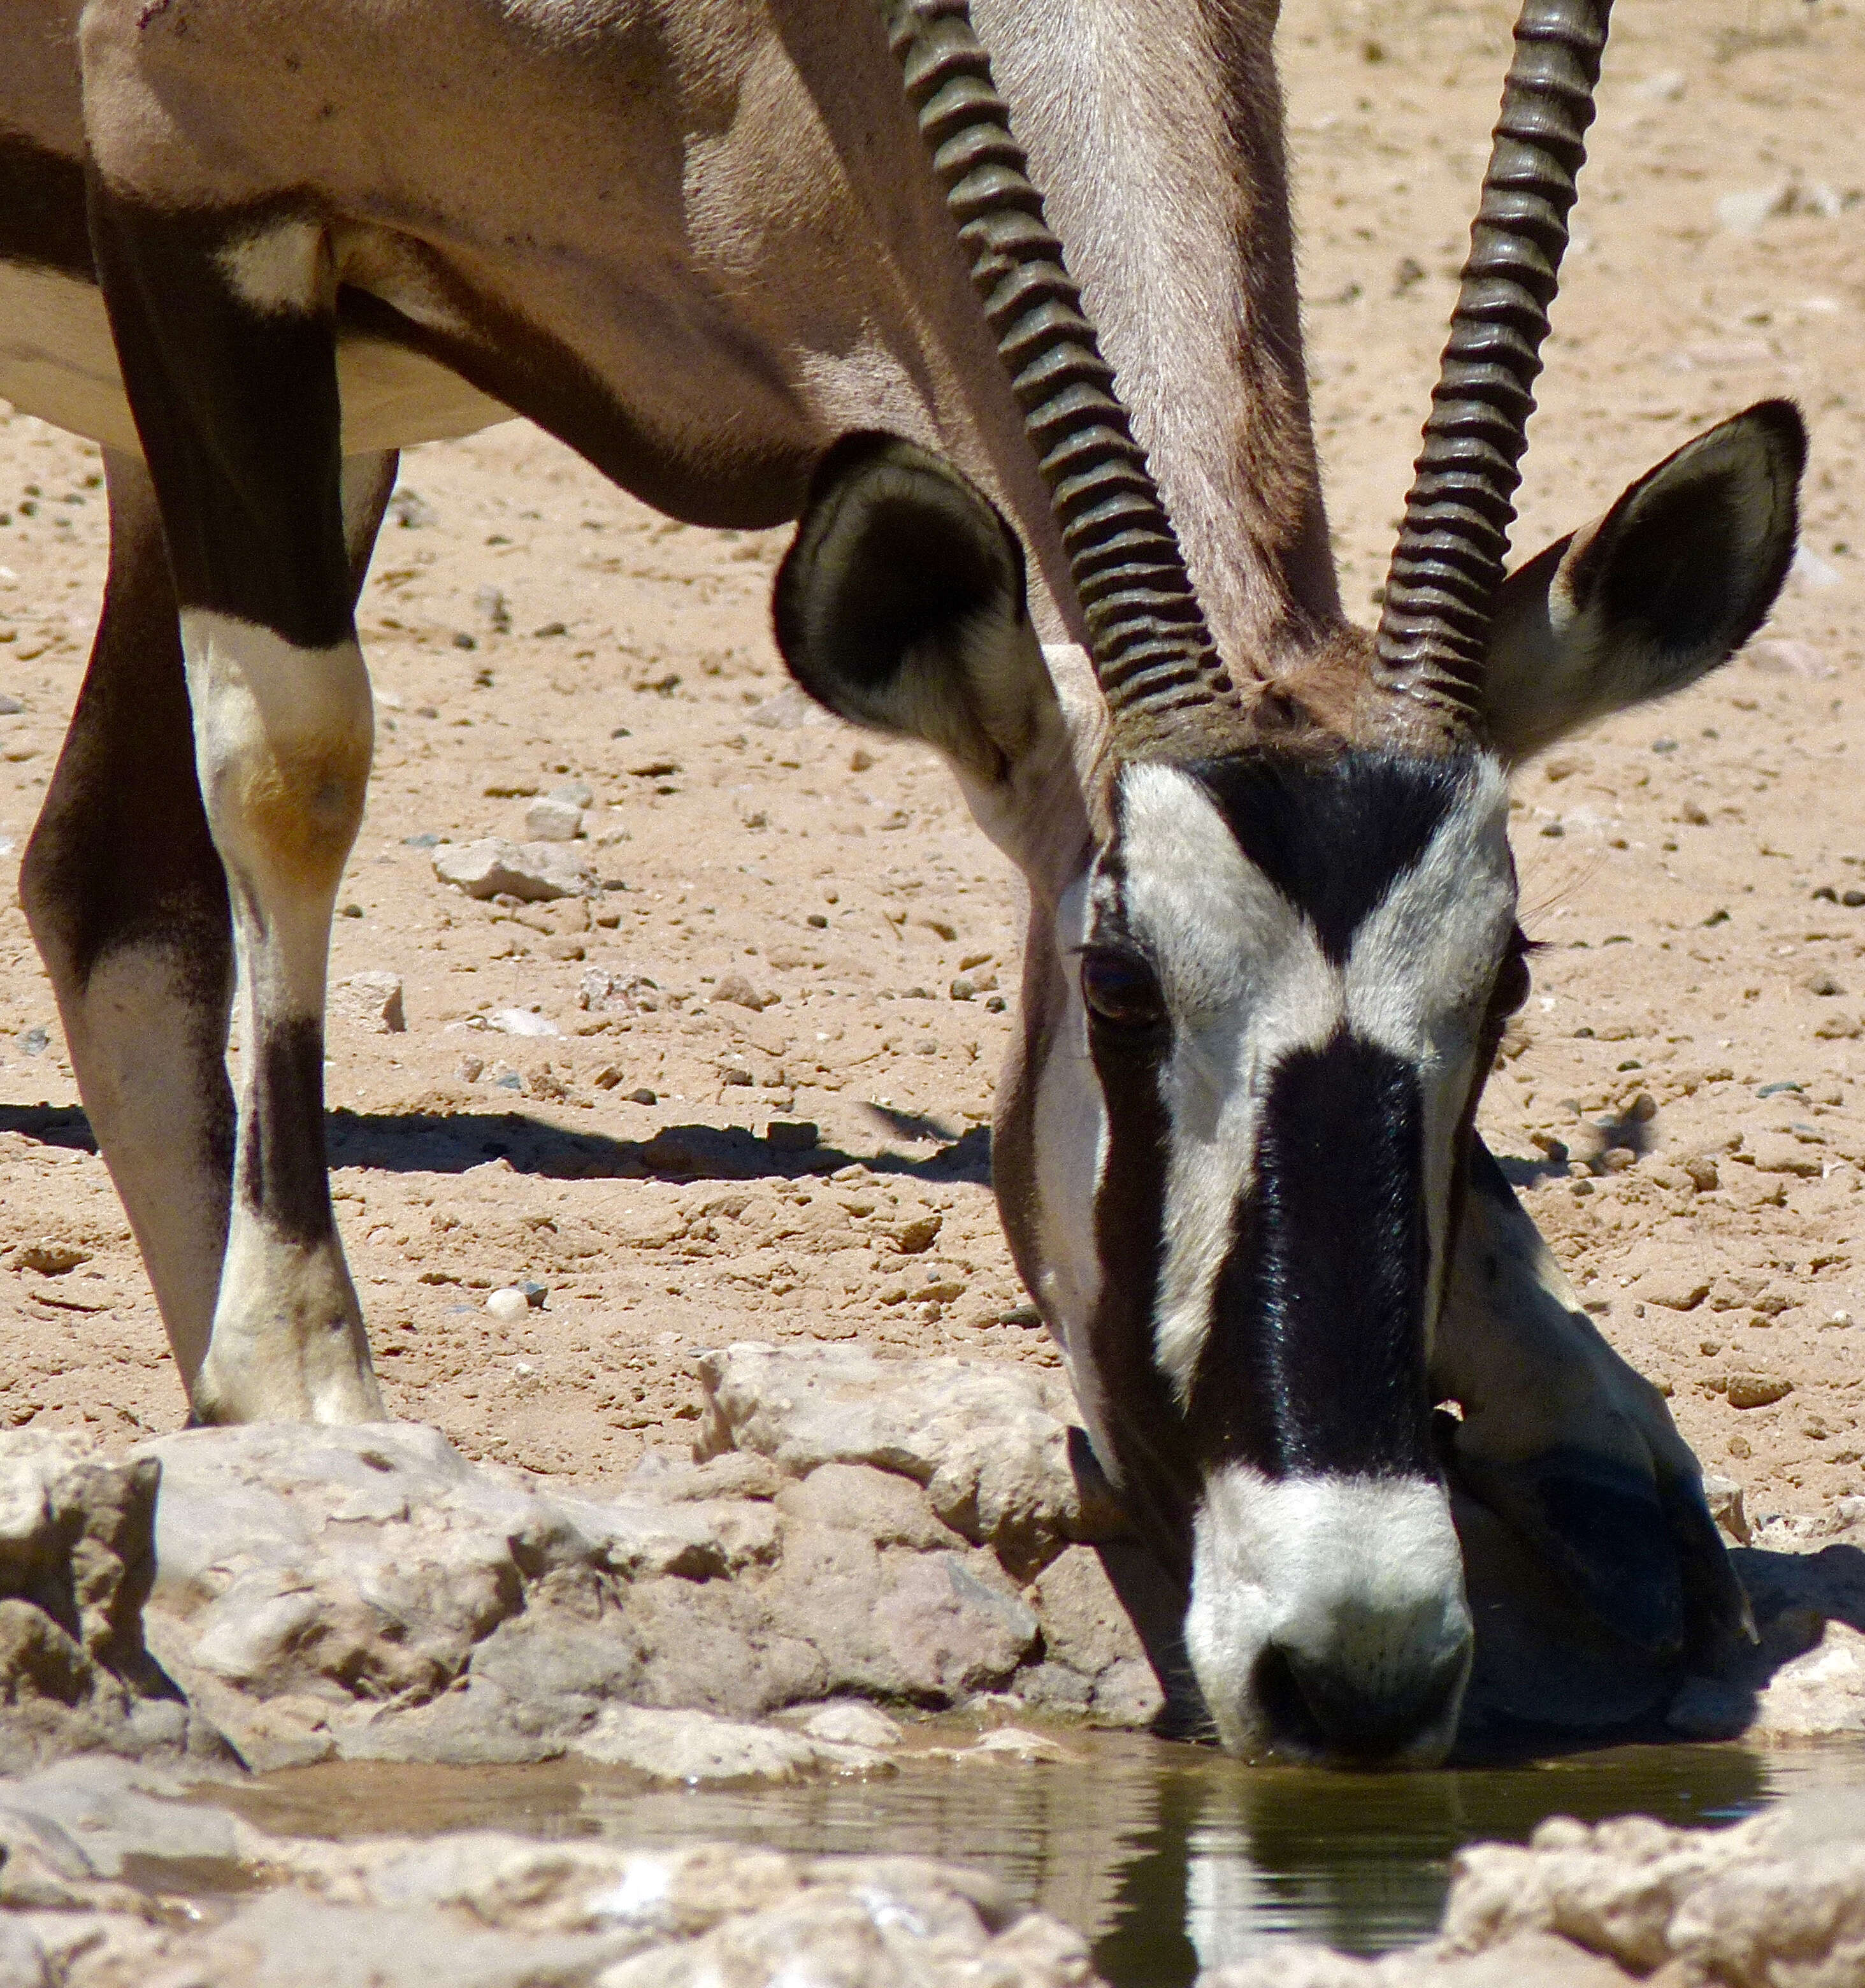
(453, 1142)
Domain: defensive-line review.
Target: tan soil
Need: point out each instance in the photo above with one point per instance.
(1669, 861)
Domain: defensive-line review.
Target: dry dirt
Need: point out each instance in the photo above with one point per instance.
(1698, 1003)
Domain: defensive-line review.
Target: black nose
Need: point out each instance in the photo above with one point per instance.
(1318, 1708)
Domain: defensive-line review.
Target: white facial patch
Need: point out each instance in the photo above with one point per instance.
(1361, 1577)
(1248, 983)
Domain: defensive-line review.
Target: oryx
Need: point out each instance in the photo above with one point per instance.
(1272, 936)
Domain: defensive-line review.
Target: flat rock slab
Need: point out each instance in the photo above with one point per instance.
(907, 1532)
(109, 1881)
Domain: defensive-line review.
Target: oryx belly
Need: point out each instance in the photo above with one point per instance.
(57, 361)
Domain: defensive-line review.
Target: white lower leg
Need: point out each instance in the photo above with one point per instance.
(148, 1049)
(283, 737)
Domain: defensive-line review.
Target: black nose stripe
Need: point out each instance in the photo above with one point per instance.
(1315, 1360)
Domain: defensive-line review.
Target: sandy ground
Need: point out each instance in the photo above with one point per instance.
(1698, 1004)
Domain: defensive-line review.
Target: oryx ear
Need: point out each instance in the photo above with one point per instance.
(901, 606)
(1676, 576)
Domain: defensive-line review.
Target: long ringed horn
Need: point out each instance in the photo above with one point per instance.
(1446, 566)
(1146, 635)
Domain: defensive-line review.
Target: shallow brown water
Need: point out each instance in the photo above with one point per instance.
(1171, 1857)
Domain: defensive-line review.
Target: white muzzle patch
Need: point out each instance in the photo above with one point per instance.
(1328, 1616)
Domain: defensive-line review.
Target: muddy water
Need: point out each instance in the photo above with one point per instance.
(1171, 1857)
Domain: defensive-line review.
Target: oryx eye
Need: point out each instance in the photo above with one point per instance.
(1512, 979)
(1122, 990)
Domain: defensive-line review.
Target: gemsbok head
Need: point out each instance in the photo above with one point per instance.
(1273, 938)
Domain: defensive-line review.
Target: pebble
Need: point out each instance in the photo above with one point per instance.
(643, 1096)
(374, 1000)
(10, 707)
(49, 1259)
(410, 510)
(554, 819)
(735, 988)
(32, 1042)
(534, 1293)
(508, 1306)
(521, 1021)
(1757, 1391)
(491, 603)
(534, 871)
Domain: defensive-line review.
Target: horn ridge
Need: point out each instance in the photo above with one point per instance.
(1447, 565)
(1147, 634)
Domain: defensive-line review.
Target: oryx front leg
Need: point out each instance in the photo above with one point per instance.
(225, 328)
(282, 741)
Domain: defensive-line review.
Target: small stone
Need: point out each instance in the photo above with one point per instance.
(469, 1067)
(551, 819)
(791, 1135)
(914, 1237)
(606, 990)
(733, 1073)
(49, 1259)
(10, 707)
(534, 1293)
(1820, 981)
(522, 1022)
(1782, 1153)
(994, 1004)
(643, 1096)
(735, 988)
(1665, 86)
(507, 1306)
(492, 605)
(851, 1722)
(1838, 1027)
(1724, 1496)
(535, 872)
(577, 793)
(428, 838)
(1757, 1391)
(1676, 1290)
(374, 1000)
(607, 1078)
(548, 630)
(32, 1042)
(410, 509)
(1748, 209)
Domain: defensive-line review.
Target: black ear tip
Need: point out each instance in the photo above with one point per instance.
(1785, 430)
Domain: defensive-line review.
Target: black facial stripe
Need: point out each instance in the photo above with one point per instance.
(1156, 1472)
(1315, 1361)
(1333, 837)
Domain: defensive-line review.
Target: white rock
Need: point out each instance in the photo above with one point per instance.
(623, 991)
(507, 1306)
(989, 1442)
(1811, 570)
(1665, 86)
(554, 819)
(575, 793)
(373, 1000)
(1748, 209)
(534, 871)
(1817, 1695)
(853, 1723)
(693, 1748)
(521, 1021)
